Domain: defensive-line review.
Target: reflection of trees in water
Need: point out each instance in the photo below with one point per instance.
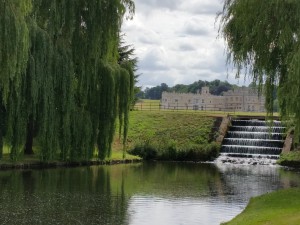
(100, 195)
(174, 179)
(69, 196)
(290, 177)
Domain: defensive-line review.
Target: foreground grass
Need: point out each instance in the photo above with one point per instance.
(277, 208)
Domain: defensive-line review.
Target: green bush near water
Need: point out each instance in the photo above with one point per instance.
(171, 152)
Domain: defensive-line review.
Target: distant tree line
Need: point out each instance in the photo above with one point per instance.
(216, 87)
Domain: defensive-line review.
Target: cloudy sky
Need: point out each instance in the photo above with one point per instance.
(176, 42)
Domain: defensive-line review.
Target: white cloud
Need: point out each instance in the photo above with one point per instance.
(208, 7)
(176, 42)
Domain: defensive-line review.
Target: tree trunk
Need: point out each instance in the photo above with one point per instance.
(29, 139)
(1, 143)
(2, 129)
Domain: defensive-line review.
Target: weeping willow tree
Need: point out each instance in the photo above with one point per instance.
(60, 79)
(263, 40)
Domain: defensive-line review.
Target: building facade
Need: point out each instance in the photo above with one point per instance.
(241, 99)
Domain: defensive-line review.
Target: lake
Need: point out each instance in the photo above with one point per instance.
(137, 194)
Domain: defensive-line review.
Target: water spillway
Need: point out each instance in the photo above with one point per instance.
(252, 138)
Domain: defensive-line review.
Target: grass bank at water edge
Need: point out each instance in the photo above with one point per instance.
(276, 208)
(167, 135)
(291, 159)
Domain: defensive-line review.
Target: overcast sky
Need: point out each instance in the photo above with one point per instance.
(176, 42)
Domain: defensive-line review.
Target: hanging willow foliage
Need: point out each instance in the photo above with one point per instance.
(263, 40)
(60, 71)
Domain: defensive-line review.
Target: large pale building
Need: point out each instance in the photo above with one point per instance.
(241, 99)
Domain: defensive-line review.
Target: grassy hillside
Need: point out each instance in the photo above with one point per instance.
(277, 208)
(172, 135)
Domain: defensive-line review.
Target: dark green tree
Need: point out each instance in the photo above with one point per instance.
(180, 88)
(263, 40)
(126, 56)
(217, 87)
(128, 61)
(155, 92)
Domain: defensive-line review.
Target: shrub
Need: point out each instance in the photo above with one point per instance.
(145, 151)
(171, 151)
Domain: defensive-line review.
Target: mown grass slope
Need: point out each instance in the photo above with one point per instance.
(171, 135)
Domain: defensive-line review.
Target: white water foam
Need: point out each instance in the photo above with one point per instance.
(253, 159)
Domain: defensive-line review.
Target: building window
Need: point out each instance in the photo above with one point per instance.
(202, 100)
(176, 100)
(236, 98)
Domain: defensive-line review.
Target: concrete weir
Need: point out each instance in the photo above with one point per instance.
(253, 141)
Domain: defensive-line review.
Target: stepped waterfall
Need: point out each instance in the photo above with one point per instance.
(249, 138)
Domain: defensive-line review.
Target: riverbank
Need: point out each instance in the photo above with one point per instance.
(153, 135)
(291, 159)
(163, 135)
(280, 208)
(33, 162)
(173, 135)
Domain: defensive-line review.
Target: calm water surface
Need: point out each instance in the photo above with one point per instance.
(138, 194)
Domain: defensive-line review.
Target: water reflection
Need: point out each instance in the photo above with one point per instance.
(70, 196)
(148, 193)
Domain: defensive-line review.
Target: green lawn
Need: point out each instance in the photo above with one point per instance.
(171, 133)
(147, 104)
(276, 208)
(179, 126)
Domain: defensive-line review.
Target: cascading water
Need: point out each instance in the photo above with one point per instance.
(255, 139)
